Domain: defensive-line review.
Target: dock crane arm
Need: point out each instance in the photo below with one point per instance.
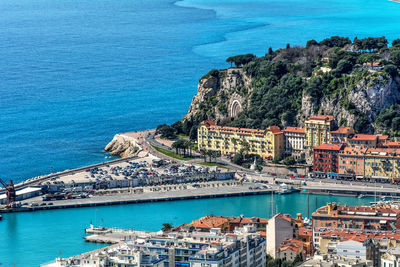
(10, 191)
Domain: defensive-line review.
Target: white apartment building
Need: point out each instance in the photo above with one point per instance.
(243, 247)
(294, 141)
(391, 258)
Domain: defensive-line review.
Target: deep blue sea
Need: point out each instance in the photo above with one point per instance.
(75, 72)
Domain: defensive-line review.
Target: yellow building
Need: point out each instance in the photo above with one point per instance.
(341, 135)
(318, 130)
(382, 163)
(267, 143)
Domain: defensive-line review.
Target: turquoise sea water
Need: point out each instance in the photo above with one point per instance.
(74, 73)
(30, 239)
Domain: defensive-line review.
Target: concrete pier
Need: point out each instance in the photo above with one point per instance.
(353, 190)
(207, 190)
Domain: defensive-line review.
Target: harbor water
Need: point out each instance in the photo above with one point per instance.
(34, 238)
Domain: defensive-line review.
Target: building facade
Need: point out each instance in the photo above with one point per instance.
(294, 141)
(326, 158)
(268, 143)
(242, 248)
(372, 163)
(382, 163)
(351, 161)
(318, 130)
(363, 140)
(279, 228)
(361, 218)
(341, 135)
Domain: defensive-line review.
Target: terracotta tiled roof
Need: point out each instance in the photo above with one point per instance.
(383, 138)
(322, 117)
(262, 233)
(209, 222)
(342, 130)
(240, 131)
(345, 235)
(274, 129)
(304, 232)
(353, 151)
(392, 144)
(364, 137)
(292, 244)
(208, 123)
(333, 147)
(294, 130)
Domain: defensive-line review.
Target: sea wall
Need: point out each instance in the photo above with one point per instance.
(123, 146)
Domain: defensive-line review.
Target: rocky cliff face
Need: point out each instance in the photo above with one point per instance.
(123, 146)
(221, 95)
(367, 98)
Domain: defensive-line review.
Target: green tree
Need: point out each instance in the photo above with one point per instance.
(391, 70)
(179, 146)
(166, 131)
(204, 153)
(245, 148)
(367, 58)
(311, 43)
(240, 60)
(344, 66)
(335, 41)
(395, 57)
(166, 227)
(396, 43)
(238, 159)
(193, 133)
(177, 127)
(289, 161)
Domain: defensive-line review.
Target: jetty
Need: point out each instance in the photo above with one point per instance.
(201, 190)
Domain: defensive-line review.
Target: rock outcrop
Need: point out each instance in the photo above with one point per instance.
(222, 98)
(284, 87)
(366, 98)
(123, 146)
(221, 95)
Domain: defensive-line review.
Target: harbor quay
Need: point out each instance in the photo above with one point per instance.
(149, 194)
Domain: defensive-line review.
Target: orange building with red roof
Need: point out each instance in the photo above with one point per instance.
(341, 135)
(371, 163)
(363, 140)
(372, 218)
(268, 143)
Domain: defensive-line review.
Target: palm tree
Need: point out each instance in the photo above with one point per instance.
(204, 153)
(234, 141)
(210, 154)
(180, 145)
(245, 148)
(188, 144)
